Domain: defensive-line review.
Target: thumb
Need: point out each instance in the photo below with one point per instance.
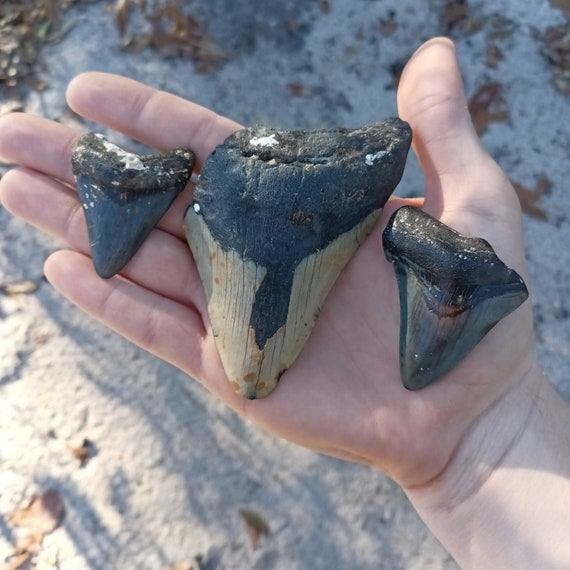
(459, 173)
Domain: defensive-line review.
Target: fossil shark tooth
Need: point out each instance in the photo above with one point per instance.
(453, 290)
(124, 195)
(277, 214)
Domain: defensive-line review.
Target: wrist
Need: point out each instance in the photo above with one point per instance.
(503, 500)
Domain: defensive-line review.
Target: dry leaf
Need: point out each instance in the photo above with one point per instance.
(40, 339)
(454, 13)
(388, 27)
(494, 56)
(84, 452)
(174, 33)
(41, 515)
(487, 106)
(122, 13)
(35, 83)
(255, 525)
(528, 198)
(12, 106)
(556, 48)
(457, 17)
(19, 288)
(296, 89)
(563, 5)
(24, 28)
(17, 560)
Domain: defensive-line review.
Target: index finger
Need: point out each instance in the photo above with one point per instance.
(156, 118)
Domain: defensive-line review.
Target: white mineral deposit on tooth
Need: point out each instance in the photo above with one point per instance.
(372, 158)
(269, 141)
(132, 161)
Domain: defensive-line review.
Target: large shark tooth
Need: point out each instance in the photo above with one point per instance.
(124, 195)
(453, 290)
(277, 215)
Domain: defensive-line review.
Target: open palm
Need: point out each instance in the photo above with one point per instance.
(343, 396)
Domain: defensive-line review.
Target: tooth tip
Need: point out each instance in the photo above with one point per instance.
(104, 270)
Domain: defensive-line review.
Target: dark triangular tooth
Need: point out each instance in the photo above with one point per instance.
(124, 195)
(277, 215)
(453, 290)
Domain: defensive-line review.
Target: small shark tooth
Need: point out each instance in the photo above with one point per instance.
(124, 195)
(277, 215)
(453, 291)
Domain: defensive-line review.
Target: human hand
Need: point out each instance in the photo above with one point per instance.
(343, 395)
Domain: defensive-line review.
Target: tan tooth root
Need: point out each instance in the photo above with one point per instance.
(230, 284)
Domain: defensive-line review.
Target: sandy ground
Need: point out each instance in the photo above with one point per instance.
(172, 467)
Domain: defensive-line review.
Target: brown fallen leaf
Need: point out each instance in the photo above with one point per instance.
(40, 338)
(19, 288)
(529, 197)
(25, 27)
(388, 25)
(296, 89)
(41, 516)
(255, 526)
(457, 17)
(12, 106)
(487, 106)
(494, 56)
(556, 48)
(563, 5)
(84, 452)
(174, 33)
(122, 14)
(17, 560)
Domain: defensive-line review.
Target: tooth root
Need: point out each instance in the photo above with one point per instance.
(276, 217)
(453, 289)
(124, 195)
